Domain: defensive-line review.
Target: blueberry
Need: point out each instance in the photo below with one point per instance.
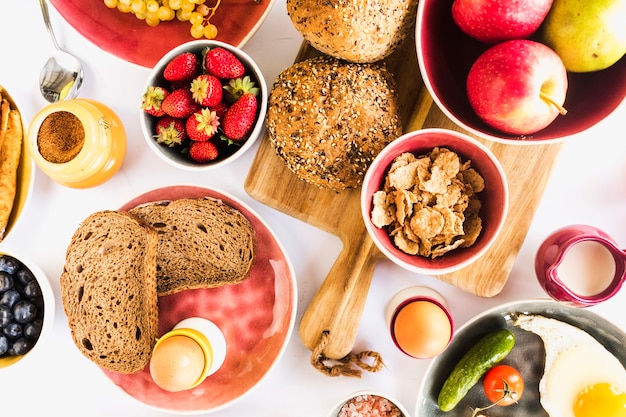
(22, 345)
(4, 344)
(13, 330)
(32, 330)
(9, 264)
(6, 316)
(24, 276)
(24, 311)
(6, 281)
(32, 289)
(11, 351)
(9, 298)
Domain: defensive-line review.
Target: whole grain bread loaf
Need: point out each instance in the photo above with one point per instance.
(108, 290)
(203, 243)
(328, 119)
(355, 30)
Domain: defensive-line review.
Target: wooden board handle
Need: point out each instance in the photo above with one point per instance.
(337, 306)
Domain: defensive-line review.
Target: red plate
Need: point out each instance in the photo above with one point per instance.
(131, 39)
(256, 317)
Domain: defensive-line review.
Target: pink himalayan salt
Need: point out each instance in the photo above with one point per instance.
(369, 406)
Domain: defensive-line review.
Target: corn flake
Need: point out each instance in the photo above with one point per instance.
(429, 204)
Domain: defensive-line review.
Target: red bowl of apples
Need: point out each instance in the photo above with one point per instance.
(518, 93)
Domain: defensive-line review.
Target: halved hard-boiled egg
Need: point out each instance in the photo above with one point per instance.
(581, 377)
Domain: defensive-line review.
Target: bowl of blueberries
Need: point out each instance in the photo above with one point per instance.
(27, 308)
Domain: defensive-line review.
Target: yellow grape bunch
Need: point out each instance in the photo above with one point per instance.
(153, 12)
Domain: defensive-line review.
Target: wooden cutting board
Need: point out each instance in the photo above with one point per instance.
(335, 310)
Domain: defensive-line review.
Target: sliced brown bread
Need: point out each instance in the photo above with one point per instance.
(203, 243)
(108, 290)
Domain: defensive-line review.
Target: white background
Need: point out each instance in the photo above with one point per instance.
(588, 185)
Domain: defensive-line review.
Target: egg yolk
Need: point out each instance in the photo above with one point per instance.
(177, 363)
(422, 329)
(601, 399)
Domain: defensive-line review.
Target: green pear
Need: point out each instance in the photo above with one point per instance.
(588, 35)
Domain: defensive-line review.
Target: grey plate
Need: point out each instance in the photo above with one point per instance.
(527, 356)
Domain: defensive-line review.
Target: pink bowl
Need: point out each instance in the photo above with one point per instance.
(445, 55)
(494, 198)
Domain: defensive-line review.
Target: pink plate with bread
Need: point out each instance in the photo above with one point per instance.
(256, 317)
(132, 40)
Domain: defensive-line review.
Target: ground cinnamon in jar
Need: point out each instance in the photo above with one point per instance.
(60, 137)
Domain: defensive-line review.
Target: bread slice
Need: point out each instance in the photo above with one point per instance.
(203, 243)
(108, 290)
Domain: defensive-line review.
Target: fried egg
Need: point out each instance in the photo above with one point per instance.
(581, 377)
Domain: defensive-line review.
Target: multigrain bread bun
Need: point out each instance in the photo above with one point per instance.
(108, 290)
(203, 243)
(354, 30)
(329, 118)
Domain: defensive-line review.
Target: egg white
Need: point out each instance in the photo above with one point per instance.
(574, 360)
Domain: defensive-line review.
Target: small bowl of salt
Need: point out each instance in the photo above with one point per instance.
(368, 403)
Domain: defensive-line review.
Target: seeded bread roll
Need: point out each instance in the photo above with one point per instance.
(354, 30)
(329, 118)
(203, 243)
(108, 290)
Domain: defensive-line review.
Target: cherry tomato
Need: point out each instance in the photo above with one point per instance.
(503, 385)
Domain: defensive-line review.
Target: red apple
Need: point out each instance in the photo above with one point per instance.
(518, 86)
(493, 21)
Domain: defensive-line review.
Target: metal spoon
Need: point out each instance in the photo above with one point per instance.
(62, 75)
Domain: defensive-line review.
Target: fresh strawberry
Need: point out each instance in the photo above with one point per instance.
(152, 99)
(237, 87)
(202, 125)
(170, 131)
(223, 64)
(183, 67)
(240, 118)
(203, 151)
(206, 90)
(180, 103)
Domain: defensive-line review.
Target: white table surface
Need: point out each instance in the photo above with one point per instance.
(588, 185)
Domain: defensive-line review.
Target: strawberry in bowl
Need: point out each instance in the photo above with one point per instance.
(203, 105)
